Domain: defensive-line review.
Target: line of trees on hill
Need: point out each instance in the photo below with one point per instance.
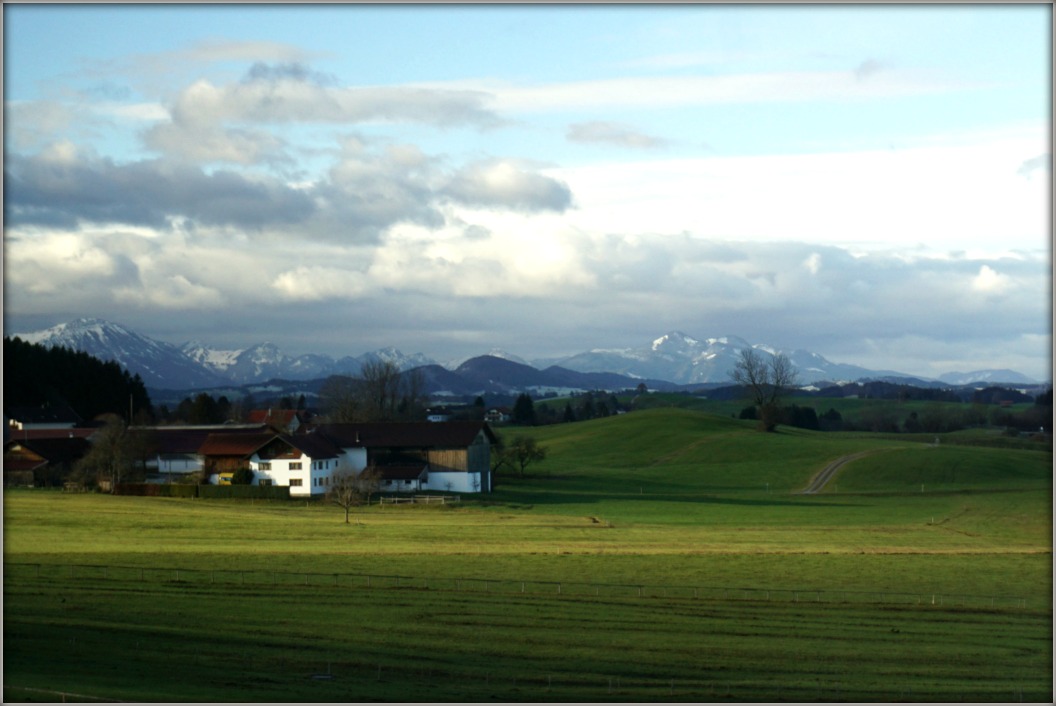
(37, 376)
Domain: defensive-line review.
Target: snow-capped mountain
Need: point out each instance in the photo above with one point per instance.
(213, 358)
(683, 359)
(265, 361)
(674, 357)
(493, 353)
(986, 376)
(397, 357)
(157, 363)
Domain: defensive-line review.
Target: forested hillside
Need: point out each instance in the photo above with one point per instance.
(36, 376)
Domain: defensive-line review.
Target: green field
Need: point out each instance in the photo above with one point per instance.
(664, 555)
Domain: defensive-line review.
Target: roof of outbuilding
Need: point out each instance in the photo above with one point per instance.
(413, 471)
(227, 444)
(55, 450)
(272, 416)
(406, 434)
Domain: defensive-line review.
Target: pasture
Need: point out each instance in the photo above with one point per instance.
(664, 555)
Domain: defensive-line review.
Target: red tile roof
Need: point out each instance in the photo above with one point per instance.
(282, 417)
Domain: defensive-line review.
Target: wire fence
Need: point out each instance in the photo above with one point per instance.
(27, 693)
(221, 577)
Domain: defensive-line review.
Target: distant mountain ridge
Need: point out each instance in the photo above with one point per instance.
(674, 359)
(683, 359)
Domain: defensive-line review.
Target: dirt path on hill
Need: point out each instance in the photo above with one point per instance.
(818, 482)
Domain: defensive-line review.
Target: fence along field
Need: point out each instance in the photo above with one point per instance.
(707, 521)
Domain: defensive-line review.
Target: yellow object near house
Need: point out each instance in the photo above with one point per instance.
(224, 478)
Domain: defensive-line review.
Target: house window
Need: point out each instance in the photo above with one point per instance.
(265, 481)
(295, 466)
(295, 482)
(265, 465)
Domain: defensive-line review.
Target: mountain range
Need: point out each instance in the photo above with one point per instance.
(670, 361)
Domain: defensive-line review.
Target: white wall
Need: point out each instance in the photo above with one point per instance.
(453, 482)
(314, 476)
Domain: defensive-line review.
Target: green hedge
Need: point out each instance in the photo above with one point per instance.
(219, 492)
(259, 492)
(157, 490)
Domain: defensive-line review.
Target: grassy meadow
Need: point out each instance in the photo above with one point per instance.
(664, 555)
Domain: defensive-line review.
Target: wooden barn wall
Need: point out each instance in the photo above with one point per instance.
(447, 460)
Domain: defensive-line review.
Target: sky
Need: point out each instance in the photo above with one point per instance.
(871, 183)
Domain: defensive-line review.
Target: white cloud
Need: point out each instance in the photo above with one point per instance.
(989, 281)
(316, 283)
(948, 197)
(604, 132)
(657, 92)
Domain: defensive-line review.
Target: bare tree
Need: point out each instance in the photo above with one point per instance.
(341, 399)
(112, 454)
(349, 489)
(767, 382)
(522, 452)
(413, 397)
(381, 392)
(380, 381)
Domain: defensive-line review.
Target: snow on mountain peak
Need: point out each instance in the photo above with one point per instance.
(674, 339)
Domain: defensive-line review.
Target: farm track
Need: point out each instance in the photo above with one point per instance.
(821, 479)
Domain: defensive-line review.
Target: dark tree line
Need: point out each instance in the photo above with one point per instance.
(37, 376)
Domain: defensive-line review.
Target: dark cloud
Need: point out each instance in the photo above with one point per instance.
(60, 191)
(365, 192)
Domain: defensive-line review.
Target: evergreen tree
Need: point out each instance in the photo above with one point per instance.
(524, 410)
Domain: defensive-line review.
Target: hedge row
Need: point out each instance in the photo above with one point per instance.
(187, 490)
(259, 492)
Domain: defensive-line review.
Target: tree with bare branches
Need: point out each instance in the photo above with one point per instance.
(349, 489)
(767, 381)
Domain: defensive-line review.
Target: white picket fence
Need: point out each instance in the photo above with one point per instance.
(420, 500)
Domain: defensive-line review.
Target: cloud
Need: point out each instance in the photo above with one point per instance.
(867, 69)
(317, 283)
(612, 133)
(989, 281)
(666, 92)
(205, 117)
(369, 187)
(64, 187)
(32, 124)
(1042, 164)
(507, 184)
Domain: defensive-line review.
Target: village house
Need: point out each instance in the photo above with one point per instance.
(498, 415)
(445, 456)
(409, 456)
(42, 462)
(306, 463)
(172, 453)
(286, 420)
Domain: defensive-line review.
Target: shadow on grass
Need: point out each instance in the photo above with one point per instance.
(536, 499)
